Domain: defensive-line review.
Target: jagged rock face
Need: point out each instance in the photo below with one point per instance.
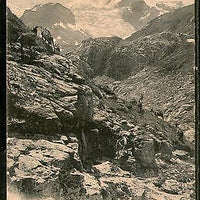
(24, 44)
(48, 99)
(138, 14)
(95, 52)
(151, 51)
(15, 26)
(44, 99)
(129, 57)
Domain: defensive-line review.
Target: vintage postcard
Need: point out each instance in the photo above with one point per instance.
(101, 100)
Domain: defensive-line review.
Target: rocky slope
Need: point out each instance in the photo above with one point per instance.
(15, 26)
(97, 51)
(138, 13)
(153, 45)
(157, 61)
(179, 21)
(59, 20)
(43, 153)
(73, 138)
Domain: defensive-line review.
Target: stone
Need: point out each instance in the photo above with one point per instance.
(172, 187)
(183, 155)
(152, 193)
(145, 155)
(103, 168)
(28, 163)
(166, 150)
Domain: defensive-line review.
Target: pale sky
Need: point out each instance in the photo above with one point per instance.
(18, 6)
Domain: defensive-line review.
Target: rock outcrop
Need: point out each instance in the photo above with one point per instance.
(15, 26)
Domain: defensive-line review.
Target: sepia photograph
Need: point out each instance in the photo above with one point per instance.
(100, 100)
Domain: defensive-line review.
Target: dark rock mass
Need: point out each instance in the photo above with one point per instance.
(15, 26)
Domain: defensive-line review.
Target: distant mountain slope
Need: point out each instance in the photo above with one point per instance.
(179, 21)
(139, 12)
(47, 15)
(165, 36)
(59, 20)
(157, 61)
(106, 18)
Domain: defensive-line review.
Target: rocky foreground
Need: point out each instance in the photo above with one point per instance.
(41, 168)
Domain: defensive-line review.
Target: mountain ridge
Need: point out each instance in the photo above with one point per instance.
(59, 20)
(170, 23)
(98, 19)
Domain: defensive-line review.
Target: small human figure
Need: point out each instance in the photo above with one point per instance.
(120, 146)
(139, 104)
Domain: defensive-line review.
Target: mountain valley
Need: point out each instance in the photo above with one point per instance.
(111, 119)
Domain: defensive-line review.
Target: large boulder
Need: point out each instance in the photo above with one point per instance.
(35, 165)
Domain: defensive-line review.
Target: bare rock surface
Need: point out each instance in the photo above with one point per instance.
(51, 169)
